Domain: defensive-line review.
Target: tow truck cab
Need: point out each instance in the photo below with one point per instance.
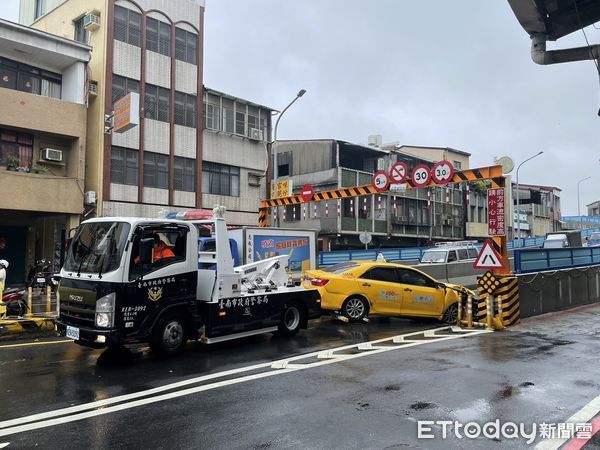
(113, 291)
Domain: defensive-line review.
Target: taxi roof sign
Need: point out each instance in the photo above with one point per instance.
(488, 258)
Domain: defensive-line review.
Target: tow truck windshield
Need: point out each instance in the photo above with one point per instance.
(97, 247)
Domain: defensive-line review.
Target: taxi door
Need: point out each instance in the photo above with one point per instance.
(420, 295)
(380, 285)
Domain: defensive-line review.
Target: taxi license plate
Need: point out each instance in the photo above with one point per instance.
(73, 333)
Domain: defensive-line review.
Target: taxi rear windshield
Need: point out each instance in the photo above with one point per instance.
(341, 267)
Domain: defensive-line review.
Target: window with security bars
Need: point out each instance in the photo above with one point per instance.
(158, 36)
(156, 170)
(122, 86)
(186, 46)
(185, 109)
(81, 34)
(128, 26)
(240, 118)
(157, 103)
(220, 179)
(227, 115)
(124, 166)
(212, 116)
(184, 173)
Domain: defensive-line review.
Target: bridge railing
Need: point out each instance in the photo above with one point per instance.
(536, 260)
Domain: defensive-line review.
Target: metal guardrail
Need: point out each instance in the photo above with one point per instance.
(536, 260)
(587, 219)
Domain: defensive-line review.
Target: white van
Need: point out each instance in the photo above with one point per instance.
(449, 252)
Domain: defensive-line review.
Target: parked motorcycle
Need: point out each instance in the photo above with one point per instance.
(13, 302)
(40, 275)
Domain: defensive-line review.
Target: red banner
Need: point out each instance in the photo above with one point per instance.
(496, 213)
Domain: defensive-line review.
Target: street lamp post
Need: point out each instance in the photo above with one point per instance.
(578, 202)
(300, 93)
(518, 213)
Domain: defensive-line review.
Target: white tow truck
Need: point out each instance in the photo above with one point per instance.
(131, 280)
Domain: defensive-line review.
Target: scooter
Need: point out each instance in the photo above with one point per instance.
(40, 275)
(13, 302)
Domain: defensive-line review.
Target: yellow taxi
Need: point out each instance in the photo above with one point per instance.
(359, 288)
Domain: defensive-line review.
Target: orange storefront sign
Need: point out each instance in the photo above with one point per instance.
(127, 112)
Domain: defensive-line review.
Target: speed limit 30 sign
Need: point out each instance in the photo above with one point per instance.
(442, 172)
(421, 175)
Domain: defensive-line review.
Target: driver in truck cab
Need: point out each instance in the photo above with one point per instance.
(161, 250)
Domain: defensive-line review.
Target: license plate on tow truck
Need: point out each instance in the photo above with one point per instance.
(73, 333)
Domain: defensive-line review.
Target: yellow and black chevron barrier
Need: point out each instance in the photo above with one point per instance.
(506, 305)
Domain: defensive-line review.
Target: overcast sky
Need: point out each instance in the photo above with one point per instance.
(434, 72)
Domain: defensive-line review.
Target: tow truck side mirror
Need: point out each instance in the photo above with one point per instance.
(146, 250)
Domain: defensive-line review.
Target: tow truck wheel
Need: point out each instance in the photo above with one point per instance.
(169, 336)
(355, 308)
(291, 319)
(451, 314)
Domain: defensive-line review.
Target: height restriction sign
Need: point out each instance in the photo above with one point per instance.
(496, 223)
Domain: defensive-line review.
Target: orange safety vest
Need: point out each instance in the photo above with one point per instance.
(162, 251)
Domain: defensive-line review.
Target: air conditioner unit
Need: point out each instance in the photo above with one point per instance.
(256, 134)
(91, 22)
(93, 88)
(90, 198)
(52, 154)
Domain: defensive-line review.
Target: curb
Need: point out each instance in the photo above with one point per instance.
(14, 328)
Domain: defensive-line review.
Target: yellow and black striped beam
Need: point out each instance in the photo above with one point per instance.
(509, 290)
(493, 173)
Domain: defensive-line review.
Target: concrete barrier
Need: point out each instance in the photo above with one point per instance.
(456, 273)
(544, 292)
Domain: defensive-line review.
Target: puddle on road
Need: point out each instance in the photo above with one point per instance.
(418, 406)
(511, 391)
(476, 410)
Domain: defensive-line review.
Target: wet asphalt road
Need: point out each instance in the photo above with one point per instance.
(542, 370)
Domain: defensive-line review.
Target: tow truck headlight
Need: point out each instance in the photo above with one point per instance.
(105, 308)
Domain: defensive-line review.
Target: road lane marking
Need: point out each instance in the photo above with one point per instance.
(584, 415)
(4, 444)
(88, 410)
(126, 397)
(27, 344)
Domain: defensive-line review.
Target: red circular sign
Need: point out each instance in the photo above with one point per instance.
(421, 175)
(399, 172)
(442, 172)
(307, 193)
(381, 180)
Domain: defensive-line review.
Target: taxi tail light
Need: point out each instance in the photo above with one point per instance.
(318, 282)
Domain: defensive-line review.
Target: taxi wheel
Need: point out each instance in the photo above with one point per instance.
(451, 314)
(355, 308)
